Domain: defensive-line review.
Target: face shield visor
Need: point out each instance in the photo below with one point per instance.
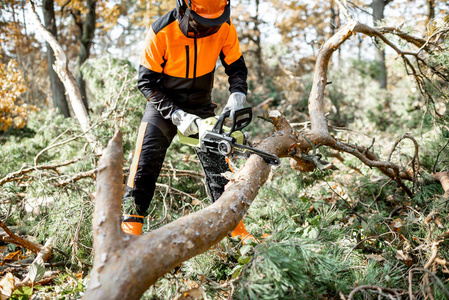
(203, 22)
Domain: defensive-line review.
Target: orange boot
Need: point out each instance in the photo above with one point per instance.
(242, 233)
(132, 224)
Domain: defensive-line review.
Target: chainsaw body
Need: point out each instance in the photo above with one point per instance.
(215, 137)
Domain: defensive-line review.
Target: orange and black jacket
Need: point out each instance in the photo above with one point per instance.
(178, 71)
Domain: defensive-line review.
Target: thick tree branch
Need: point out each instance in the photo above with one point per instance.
(319, 133)
(418, 42)
(161, 250)
(316, 107)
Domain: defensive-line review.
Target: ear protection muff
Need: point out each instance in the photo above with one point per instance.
(201, 26)
(206, 21)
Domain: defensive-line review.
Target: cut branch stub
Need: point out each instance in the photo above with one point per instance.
(297, 162)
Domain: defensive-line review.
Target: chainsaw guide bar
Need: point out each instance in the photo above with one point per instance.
(215, 137)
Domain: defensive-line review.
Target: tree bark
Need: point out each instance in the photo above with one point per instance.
(318, 118)
(257, 41)
(126, 265)
(430, 10)
(57, 87)
(378, 7)
(86, 35)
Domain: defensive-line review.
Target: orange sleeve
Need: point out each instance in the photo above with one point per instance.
(153, 55)
(231, 47)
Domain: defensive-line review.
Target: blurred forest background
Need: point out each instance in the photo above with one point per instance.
(350, 233)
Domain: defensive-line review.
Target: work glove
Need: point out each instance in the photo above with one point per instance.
(235, 102)
(186, 123)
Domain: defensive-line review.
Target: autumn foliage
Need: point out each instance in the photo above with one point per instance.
(13, 113)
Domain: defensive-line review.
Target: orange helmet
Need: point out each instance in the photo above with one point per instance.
(206, 12)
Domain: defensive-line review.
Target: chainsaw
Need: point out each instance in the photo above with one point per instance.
(215, 137)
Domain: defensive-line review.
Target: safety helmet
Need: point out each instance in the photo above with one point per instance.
(202, 17)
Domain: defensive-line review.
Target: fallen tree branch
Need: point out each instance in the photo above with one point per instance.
(163, 249)
(36, 158)
(175, 190)
(17, 175)
(418, 42)
(410, 281)
(319, 133)
(120, 274)
(434, 169)
(90, 173)
(14, 239)
(381, 291)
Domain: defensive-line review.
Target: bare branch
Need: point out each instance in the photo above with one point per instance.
(17, 175)
(382, 291)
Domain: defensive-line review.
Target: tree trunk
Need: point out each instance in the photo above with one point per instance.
(333, 20)
(57, 88)
(430, 10)
(62, 69)
(259, 67)
(378, 7)
(87, 33)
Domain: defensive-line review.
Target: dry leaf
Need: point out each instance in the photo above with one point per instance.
(376, 257)
(404, 257)
(196, 293)
(196, 202)
(7, 286)
(433, 216)
(397, 225)
(430, 217)
(13, 256)
(266, 236)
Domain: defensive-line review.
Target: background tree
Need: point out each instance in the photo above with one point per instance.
(378, 7)
(84, 17)
(57, 88)
(248, 28)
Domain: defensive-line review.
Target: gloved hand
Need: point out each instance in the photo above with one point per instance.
(185, 122)
(235, 102)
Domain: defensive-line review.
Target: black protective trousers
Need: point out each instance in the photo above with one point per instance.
(154, 137)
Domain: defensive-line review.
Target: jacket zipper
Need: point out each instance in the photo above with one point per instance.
(187, 61)
(195, 60)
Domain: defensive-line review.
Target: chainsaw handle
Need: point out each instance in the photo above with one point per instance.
(240, 119)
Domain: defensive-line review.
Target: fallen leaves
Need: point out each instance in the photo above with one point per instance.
(13, 256)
